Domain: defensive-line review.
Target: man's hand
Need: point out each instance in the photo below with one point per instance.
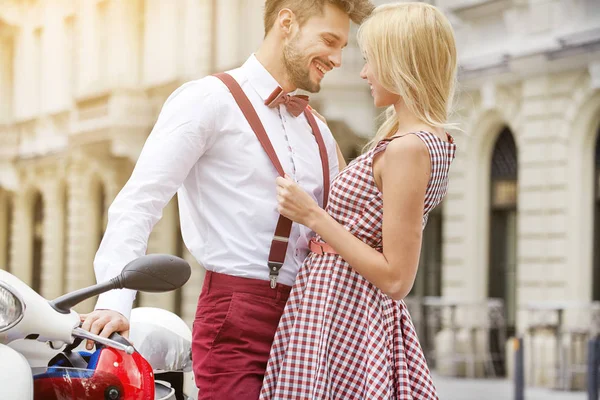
(104, 323)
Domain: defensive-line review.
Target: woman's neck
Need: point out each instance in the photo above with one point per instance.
(409, 122)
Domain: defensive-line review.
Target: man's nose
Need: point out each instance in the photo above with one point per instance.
(336, 59)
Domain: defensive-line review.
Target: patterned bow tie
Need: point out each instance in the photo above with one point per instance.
(295, 104)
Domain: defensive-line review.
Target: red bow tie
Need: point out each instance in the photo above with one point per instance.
(295, 104)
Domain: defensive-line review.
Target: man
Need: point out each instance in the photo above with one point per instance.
(203, 147)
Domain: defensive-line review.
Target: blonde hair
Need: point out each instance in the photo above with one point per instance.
(412, 51)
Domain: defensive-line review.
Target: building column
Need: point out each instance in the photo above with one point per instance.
(87, 59)
(543, 272)
(53, 260)
(124, 68)
(197, 43)
(83, 233)
(21, 231)
(6, 73)
(4, 228)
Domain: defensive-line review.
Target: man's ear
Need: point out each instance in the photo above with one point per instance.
(286, 21)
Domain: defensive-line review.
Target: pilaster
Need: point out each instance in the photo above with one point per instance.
(54, 250)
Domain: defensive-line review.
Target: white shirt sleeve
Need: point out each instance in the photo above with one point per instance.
(183, 131)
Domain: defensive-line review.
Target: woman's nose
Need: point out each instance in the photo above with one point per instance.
(363, 72)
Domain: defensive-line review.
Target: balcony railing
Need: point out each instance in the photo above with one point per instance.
(475, 333)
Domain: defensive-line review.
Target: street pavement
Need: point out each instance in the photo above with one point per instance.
(494, 389)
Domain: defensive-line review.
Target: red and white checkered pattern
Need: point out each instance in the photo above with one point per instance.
(339, 336)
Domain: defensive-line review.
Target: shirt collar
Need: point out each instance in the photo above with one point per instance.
(261, 80)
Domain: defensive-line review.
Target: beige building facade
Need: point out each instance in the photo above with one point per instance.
(82, 82)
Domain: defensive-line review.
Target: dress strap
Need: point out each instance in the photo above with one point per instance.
(429, 138)
(383, 143)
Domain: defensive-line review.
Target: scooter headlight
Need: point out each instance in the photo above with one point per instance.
(11, 307)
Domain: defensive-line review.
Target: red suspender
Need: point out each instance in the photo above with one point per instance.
(284, 225)
(323, 151)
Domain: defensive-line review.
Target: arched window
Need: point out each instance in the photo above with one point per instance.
(503, 226)
(428, 281)
(596, 192)
(429, 276)
(38, 242)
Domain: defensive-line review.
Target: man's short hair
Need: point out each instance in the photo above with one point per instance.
(357, 10)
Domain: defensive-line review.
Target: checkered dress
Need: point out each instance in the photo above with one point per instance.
(340, 337)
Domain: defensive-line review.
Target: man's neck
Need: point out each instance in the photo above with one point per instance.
(270, 56)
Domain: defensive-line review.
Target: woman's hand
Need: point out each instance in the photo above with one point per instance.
(295, 203)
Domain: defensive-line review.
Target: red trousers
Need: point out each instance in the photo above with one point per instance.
(233, 331)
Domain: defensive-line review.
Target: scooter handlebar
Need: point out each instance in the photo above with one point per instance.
(83, 334)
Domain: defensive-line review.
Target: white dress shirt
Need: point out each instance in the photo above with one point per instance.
(203, 148)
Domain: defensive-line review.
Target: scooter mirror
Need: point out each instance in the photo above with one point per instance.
(150, 273)
(155, 273)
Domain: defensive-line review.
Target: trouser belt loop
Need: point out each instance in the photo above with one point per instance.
(208, 279)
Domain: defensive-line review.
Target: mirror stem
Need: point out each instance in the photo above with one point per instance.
(63, 304)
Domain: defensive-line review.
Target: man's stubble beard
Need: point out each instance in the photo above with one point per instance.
(298, 67)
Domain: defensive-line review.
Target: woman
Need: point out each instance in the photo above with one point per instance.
(345, 332)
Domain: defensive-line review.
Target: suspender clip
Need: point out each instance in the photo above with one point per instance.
(274, 268)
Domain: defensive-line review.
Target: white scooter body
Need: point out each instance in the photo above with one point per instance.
(44, 328)
(39, 318)
(16, 381)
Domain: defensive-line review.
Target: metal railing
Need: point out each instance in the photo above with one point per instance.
(571, 325)
(482, 323)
